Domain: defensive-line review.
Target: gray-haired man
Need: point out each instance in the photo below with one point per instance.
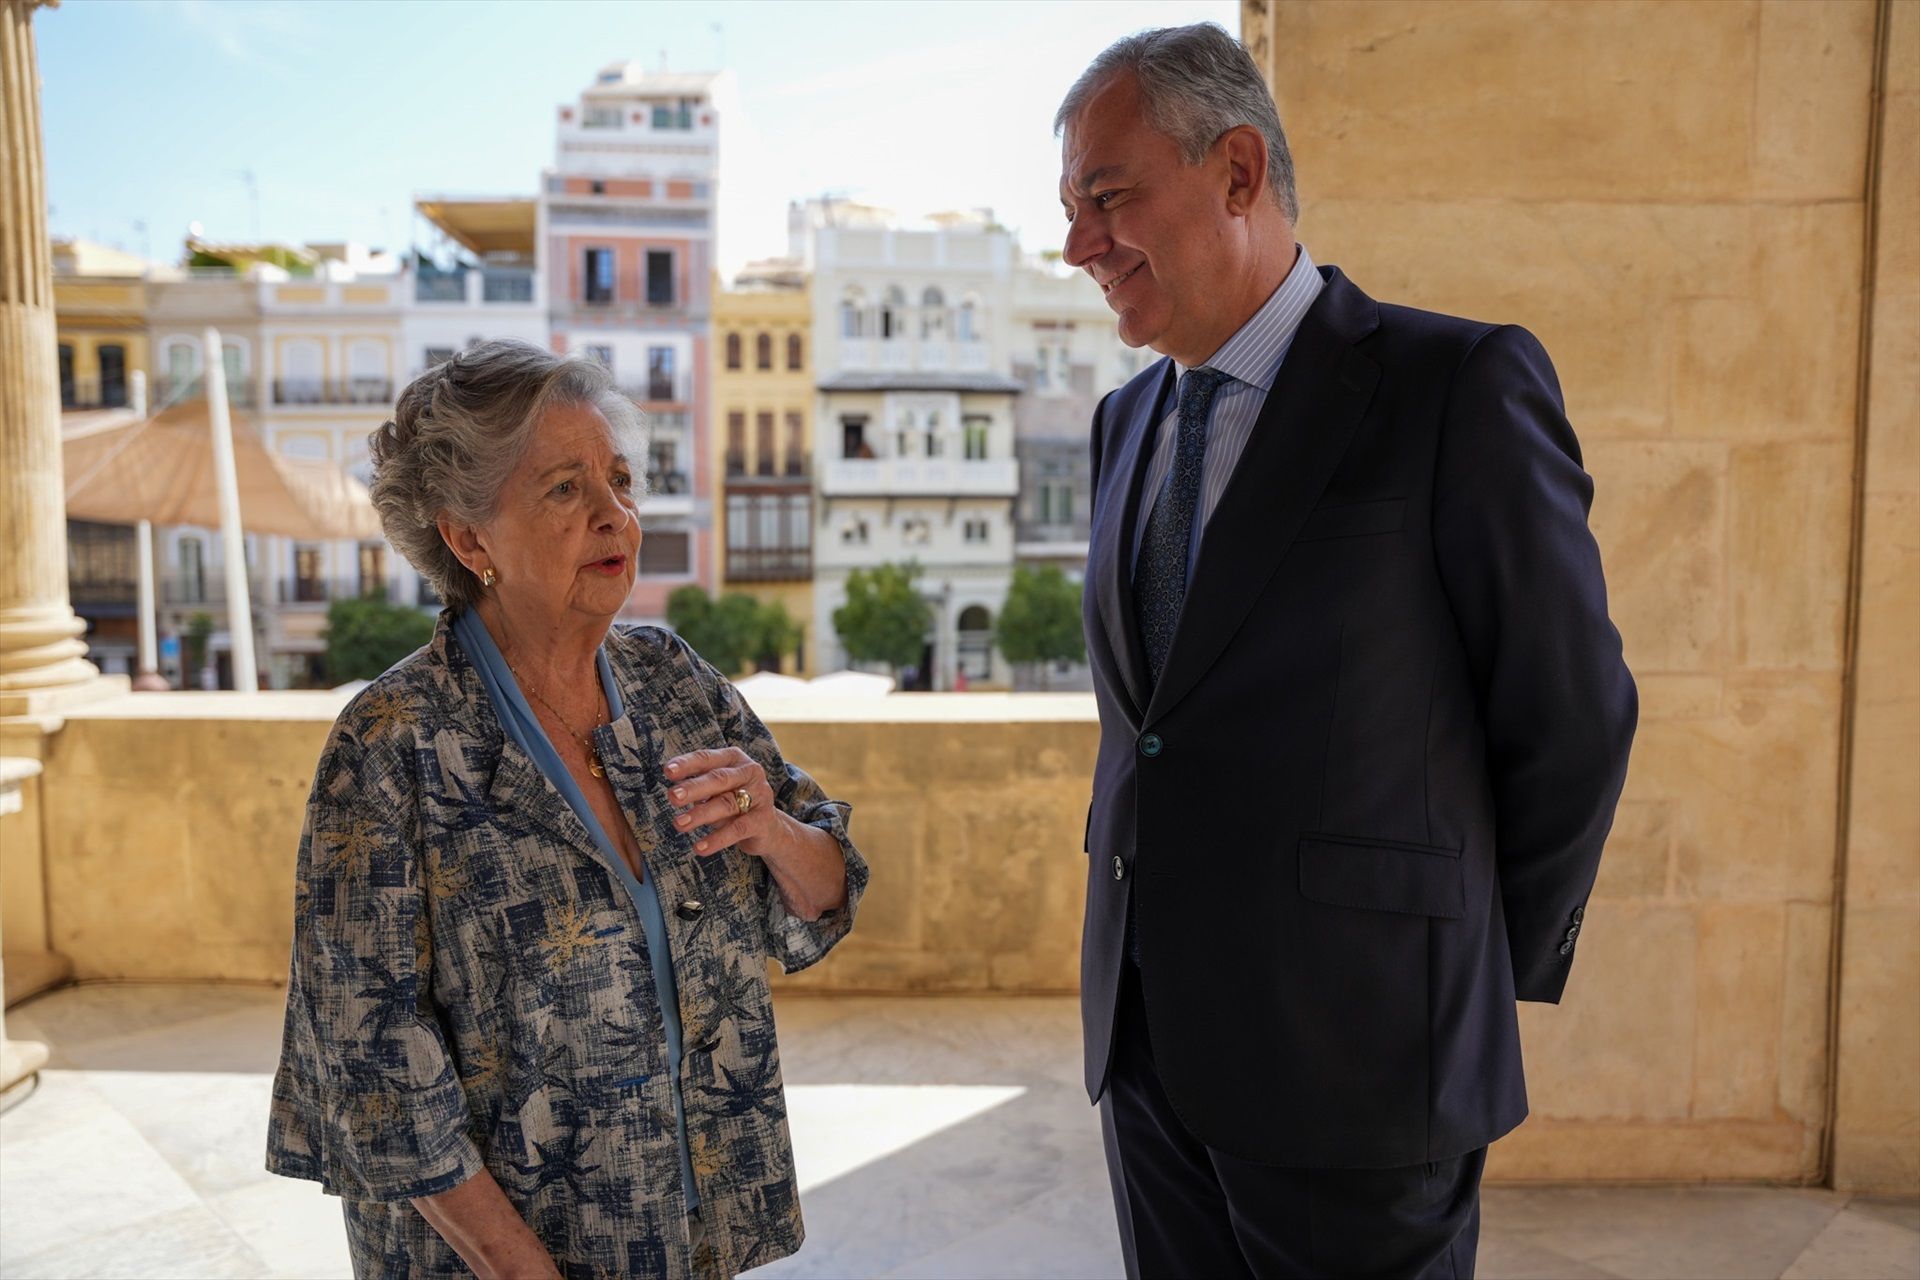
(1364, 719)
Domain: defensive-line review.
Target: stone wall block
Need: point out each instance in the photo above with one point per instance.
(1639, 855)
(1787, 553)
(1659, 513)
(1587, 101)
(1620, 1044)
(1738, 981)
(1803, 1013)
(1877, 1143)
(1810, 124)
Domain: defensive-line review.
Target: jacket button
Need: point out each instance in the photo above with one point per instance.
(1579, 914)
(1119, 868)
(690, 909)
(1573, 933)
(1150, 744)
(1566, 948)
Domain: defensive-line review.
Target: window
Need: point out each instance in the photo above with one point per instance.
(853, 322)
(436, 356)
(597, 278)
(763, 443)
(796, 352)
(763, 351)
(659, 277)
(113, 375)
(853, 437)
(965, 326)
(893, 314)
(736, 443)
(665, 553)
(733, 351)
(373, 569)
(669, 115)
(193, 572)
(663, 473)
(67, 400)
(796, 443)
(854, 532)
(976, 530)
(1041, 380)
(597, 187)
(1055, 502)
(915, 531)
(976, 437)
(973, 648)
(933, 313)
(660, 373)
(601, 116)
(309, 573)
(601, 355)
(235, 366)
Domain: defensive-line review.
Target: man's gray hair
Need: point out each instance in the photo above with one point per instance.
(459, 430)
(1195, 82)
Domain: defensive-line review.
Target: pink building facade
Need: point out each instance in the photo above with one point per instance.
(627, 220)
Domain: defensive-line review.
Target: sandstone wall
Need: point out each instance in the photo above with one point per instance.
(1673, 197)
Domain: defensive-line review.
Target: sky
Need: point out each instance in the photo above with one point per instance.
(341, 111)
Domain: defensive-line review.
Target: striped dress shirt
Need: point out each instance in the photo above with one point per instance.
(1251, 360)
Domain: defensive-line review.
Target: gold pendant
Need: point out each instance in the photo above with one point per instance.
(593, 759)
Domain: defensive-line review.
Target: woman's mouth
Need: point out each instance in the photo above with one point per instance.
(610, 566)
(1122, 278)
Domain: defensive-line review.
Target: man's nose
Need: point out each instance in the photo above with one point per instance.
(1087, 240)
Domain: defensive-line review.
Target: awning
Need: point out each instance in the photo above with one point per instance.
(483, 225)
(121, 468)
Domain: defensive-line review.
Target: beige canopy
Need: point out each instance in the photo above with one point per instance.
(121, 468)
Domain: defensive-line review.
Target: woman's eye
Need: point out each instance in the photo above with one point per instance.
(562, 489)
(625, 482)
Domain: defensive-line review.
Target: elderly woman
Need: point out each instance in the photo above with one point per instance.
(545, 861)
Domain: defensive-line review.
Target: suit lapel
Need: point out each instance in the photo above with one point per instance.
(1316, 402)
(1110, 569)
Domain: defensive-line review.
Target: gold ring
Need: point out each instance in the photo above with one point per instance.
(745, 799)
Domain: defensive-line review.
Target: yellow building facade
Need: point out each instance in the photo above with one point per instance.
(100, 307)
(762, 440)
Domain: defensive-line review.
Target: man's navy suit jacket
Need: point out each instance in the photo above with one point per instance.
(1362, 809)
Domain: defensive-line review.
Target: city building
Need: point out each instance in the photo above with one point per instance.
(483, 282)
(1067, 353)
(100, 303)
(915, 422)
(627, 217)
(763, 444)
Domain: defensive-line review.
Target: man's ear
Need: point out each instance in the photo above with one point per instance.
(1246, 156)
(464, 541)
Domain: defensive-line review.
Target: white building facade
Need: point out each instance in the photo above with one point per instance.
(914, 429)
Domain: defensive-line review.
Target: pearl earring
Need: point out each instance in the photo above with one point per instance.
(488, 577)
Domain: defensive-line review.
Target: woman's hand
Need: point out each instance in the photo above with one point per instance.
(807, 865)
(707, 786)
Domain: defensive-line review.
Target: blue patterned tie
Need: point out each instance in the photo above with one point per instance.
(1160, 577)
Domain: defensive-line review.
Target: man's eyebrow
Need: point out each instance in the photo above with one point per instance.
(1084, 185)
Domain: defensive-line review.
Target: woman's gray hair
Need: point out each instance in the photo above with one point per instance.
(459, 430)
(1195, 82)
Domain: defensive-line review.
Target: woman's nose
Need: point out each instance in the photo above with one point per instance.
(610, 515)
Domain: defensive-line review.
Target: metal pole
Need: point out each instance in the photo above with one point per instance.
(246, 676)
(149, 660)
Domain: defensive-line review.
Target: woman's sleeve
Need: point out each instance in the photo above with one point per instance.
(794, 942)
(366, 1100)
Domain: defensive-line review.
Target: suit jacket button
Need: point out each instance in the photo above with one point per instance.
(690, 909)
(1119, 868)
(1579, 914)
(1150, 744)
(1566, 948)
(1573, 933)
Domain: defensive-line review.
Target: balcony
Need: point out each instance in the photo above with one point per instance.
(670, 483)
(943, 477)
(93, 393)
(207, 589)
(475, 287)
(914, 355)
(657, 390)
(769, 564)
(301, 591)
(333, 391)
(241, 393)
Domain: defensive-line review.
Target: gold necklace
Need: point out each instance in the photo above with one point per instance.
(593, 753)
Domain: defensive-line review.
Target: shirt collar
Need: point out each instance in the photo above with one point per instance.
(1252, 355)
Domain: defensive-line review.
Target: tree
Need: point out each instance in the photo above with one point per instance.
(366, 635)
(884, 618)
(193, 648)
(1040, 622)
(733, 631)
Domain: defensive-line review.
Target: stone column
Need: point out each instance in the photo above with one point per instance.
(41, 653)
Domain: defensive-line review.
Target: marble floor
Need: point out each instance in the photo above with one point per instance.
(934, 1137)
